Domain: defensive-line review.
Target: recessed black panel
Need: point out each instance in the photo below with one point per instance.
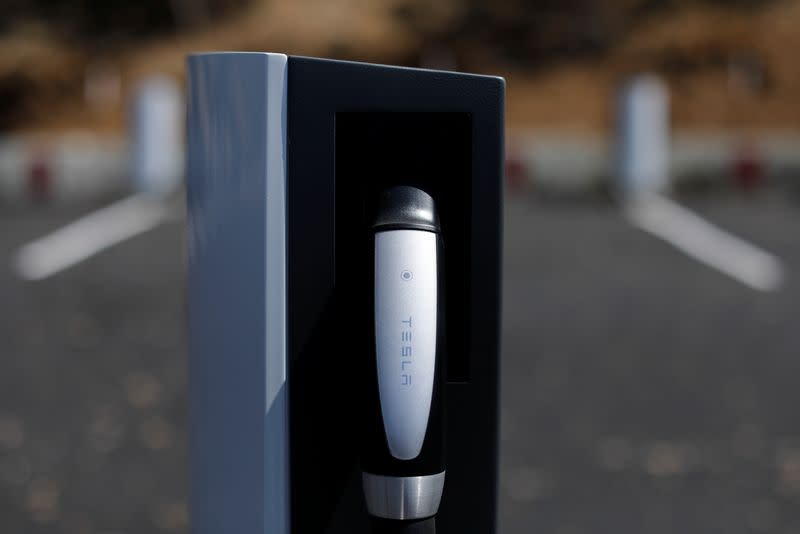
(431, 151)
(353, 128)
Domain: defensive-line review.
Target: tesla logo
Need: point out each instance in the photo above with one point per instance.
(405, 352)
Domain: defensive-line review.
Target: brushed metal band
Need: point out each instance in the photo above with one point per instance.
(403, 497)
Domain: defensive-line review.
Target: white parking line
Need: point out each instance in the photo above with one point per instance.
(705, 242)
(89, 235)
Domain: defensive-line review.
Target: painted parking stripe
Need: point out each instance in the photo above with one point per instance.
(89, 235)
(705, 242)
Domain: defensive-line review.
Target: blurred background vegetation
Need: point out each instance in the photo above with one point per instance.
(68, 64)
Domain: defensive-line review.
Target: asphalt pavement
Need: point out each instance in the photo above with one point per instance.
(644, 392)
(641, 391)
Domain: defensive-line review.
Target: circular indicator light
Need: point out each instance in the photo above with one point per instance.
(406, 275)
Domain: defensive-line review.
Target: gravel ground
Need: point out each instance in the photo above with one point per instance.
(642, 392)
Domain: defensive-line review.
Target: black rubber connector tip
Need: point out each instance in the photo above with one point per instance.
(389, 526)
(406, 208)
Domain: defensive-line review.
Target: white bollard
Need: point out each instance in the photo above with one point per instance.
(643, 137)
(156, 136)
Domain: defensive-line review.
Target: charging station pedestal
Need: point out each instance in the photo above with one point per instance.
(285, 158)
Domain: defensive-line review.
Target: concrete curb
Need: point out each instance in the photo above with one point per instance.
(577, 162)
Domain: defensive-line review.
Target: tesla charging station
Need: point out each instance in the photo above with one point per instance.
(344, 239)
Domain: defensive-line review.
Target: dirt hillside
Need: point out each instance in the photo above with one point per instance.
(726, 67)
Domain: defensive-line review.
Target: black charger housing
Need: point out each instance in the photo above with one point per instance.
(287, 157)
